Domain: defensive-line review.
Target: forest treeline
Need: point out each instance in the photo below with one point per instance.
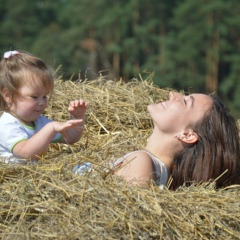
(188, 45)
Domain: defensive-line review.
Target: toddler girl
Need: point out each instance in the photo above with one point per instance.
(26, 84)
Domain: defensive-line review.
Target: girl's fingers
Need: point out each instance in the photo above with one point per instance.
(77, 103)
(74, 121)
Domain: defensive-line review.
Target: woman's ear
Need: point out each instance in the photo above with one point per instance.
(189, 136)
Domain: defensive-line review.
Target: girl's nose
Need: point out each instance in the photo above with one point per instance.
(41, 101)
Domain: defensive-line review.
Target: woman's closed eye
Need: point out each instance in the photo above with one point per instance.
(188, 100)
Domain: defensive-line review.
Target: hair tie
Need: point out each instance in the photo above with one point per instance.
(10, 54)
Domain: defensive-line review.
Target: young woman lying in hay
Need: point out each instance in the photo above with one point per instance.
(194, 139)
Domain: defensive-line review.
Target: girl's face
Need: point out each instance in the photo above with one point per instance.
(173, 116)
(30, 103)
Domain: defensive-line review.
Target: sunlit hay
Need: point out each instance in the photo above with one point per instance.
(47, 201)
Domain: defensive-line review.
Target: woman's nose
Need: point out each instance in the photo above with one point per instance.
(170, 95)
(174, 96)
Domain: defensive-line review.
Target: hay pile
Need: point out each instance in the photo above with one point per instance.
(47, 201)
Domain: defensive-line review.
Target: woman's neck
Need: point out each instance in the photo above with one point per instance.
(163, 147)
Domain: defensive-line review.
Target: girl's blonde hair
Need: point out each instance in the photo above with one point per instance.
(21, 69)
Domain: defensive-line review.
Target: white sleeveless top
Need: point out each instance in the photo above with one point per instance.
(160, 167)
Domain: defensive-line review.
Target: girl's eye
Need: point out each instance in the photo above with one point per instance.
(34, 97)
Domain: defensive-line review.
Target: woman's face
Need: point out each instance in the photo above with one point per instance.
(174, 115)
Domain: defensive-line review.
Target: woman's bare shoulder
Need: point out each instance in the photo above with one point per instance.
(138, 155)
(137, 168)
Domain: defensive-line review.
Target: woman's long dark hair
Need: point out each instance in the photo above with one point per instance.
(217, 151)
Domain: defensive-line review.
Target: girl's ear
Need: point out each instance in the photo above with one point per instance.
(6, 95)
(189, 136)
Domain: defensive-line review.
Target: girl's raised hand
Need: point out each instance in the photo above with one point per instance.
(77, 108)
(62, 126)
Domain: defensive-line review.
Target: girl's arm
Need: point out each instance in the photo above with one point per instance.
(37, 144)
(77, 109)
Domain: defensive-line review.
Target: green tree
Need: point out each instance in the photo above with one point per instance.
(20, 23)
(203, 52)
(126, 37)
(29, 25)
(188, 44)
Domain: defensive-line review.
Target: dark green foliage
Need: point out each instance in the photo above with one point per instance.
(189, 44)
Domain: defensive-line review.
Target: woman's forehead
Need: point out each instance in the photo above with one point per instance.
(201, 97)
(202, 100)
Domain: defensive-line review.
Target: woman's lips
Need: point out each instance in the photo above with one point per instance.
(164, 104)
